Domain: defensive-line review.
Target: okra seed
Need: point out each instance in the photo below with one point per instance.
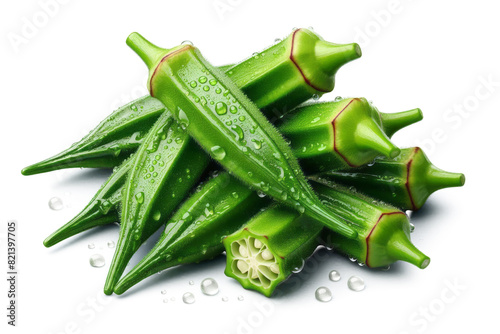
(243, 251)
(275, 268)
(242, 266)
(209, 287)
(56, 204)
(258, 244)
(356, 283)
(334, 276)
(323, 294)
(267, 255)
(188, 298)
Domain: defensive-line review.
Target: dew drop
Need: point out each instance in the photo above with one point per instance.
(233, 110)
(218, 152)
(156, 216)
(188, 298)
(298, 269)
(412, 228)
(356, 283)
(133, 107)
(334, 276)
(202, 79)
(221, 108)
(186, 42)
(338, 98)
(209, 287)
(139, 197)
(277, 40)
(235, 194)
(183, 119)
(323, 294)
(224, 299)
(257, 144)
(193, 84)
(352, 259)
(111, 244)
(261, 194)
(315, 97)
(55, 203)
(241, 298)
(163, 292)
(91, 245)
(97, 261)
(191, 282)
(213, 82)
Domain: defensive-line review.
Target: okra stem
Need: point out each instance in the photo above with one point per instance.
(393, 122)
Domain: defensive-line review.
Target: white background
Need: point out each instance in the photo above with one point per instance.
(75, 69)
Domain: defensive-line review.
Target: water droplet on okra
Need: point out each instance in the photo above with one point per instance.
(55, 203)
(218, 152)
(97, 261)
(334, 276)
(356, 283)
(188, 298)
(209, 287)
(412, 227)
(323, 294)
(221, 108)
(186, 42)
(299, 268)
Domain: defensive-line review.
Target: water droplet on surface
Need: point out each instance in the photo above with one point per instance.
(97, 261)
(172, 299)
(209, 287)
(157, 216)
(241, 298)
(412, 228)
(55, 203)
(235, 194)
(193, 84)
(356, 283)
(139, 197)
(298, 269)
(165, 300)
(111, 244)
(163, 292)
(224, 299)
(315, 97)
(353, 259)
(261, 194)
(334, 276)
(188, 298)
(191, 282)
(212, 82)
(277, 40)
(323, 294)
(233, 110)
(338, 98)
(186, 42)
(202, 79)
(218, 152)
(91, 245)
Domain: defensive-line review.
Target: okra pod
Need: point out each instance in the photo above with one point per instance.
(277, 79)
(165, 167)
(343, 134)
(195, 232)
(405, 181)
(230, 127)
(272, 244)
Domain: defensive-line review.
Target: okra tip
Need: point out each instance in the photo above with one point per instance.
(393, 122)
(148, 52)
(399, 247)
(331, 57)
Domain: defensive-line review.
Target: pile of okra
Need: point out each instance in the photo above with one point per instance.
(208, 158)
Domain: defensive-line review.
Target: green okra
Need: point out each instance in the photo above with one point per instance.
(343, 134)
(383, 230)
(164, 168)
(405, 181)
(291, 75)
(229, 126)
(270, 247)
(195, 232)
(272, 244)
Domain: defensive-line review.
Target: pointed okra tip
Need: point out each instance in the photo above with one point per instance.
(149, 53)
